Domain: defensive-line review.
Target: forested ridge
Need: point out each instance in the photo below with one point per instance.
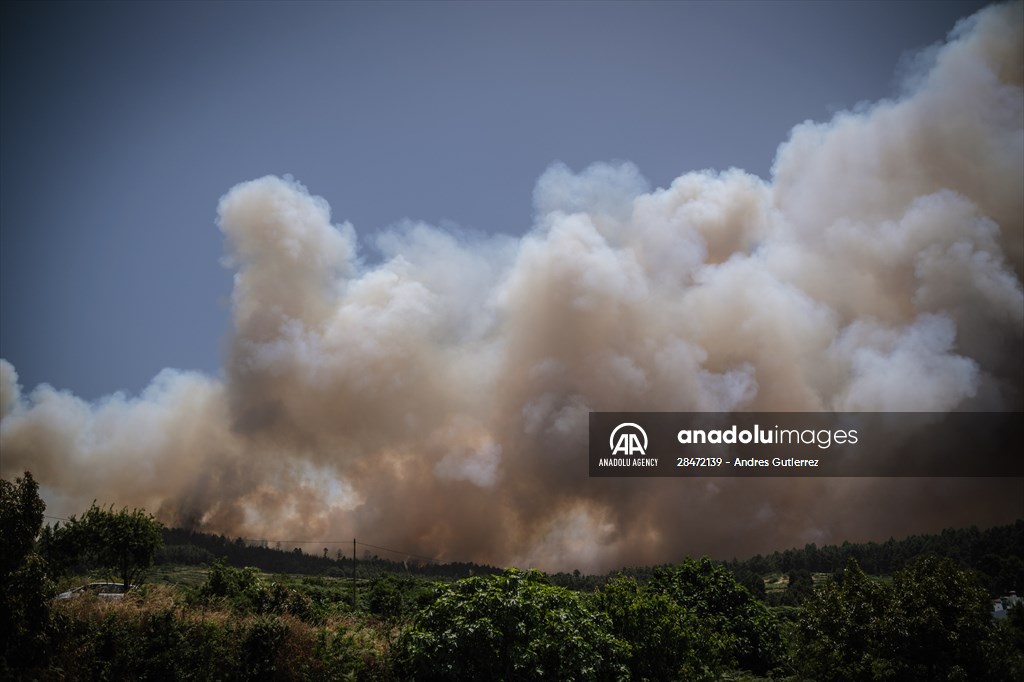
(996, 553)
(191, 547)
(208, 607)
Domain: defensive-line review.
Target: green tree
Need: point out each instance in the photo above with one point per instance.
(123, 542)
(739, 630)
(933, 622)
(512, 626)
(666, 640)
(21, 517)
(800, 587)
(752, 581)
(939, 624)
(25, 588)
(839, 638)
(1010, 641)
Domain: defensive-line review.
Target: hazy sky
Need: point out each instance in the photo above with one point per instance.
(123, 123)
(181, 181)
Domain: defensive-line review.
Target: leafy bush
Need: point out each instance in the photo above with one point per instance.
(344, 654)
(933, 622)
(260, 647)
(664, 637)
(511, 626)
(246, 591)
(735, 628)
(107, 641)
(386, 597)
(395, 597)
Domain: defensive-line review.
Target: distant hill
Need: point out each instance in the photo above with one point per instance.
(996, 553)
(191, 547)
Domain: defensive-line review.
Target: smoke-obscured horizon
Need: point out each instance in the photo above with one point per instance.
(436, 400)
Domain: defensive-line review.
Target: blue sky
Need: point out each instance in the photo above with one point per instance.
(123, 124)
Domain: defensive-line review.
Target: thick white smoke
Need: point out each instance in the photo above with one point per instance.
(437, 400)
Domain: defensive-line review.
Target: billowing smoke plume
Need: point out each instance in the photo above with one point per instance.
(436, 400)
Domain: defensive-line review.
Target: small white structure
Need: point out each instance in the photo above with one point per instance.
(1003, 604)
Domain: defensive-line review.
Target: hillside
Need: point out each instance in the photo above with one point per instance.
(996, 554)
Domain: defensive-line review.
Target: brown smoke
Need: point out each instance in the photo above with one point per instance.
(437, 401)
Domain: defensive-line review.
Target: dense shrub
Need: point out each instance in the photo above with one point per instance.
(138, 641)
(386, 596)
(246, 591)
(933, 622)
(395, 597)
(260, 646)
(344, 652)
(737, 629)
(666, 641)
(511, 626)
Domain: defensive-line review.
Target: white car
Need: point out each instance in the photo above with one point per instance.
(110, 591)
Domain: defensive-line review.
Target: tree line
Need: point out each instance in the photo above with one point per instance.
(996, 553)
(693, 620)
(181, 546)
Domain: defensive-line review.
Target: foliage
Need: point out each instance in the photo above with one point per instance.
(933, 622)
(939, 624)
(799, 588)
(188, 555)
(1009, 639)
(260, 646)
(387, 596)
(512, 626)
(21, 516)
(737, 629)
(339, 649)
(239, 552)
(998, 553)
(111, 642)
(752, 581)
(694, 621)
(124, 542)
(839, 631)
(246, 591)
(665, 638)
(25, 588)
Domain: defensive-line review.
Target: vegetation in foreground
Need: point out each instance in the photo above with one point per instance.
(930, 620)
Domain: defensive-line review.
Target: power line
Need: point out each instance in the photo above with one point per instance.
(299, 542)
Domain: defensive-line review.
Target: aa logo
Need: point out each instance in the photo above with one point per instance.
(626, 440)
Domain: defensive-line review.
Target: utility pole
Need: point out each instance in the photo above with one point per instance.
(353, 574)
